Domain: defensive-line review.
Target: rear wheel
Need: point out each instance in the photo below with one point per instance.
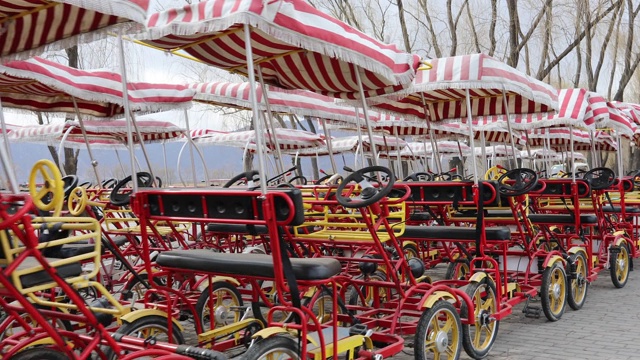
(553, 292)
(619, 266)
(458, 270)
(438, 333)
(578, 287)
(275, 347)
(223, 304)
(478, 339)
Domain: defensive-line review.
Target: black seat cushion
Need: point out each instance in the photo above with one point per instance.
(420, 216)
(237, 229)
(119, 240)
(488, 213)
(71, 250)
(562, 218)
(618, 209)
(454, 233)
(41, 277)
(246, 264)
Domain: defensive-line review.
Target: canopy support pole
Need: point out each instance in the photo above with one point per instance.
(60, 147)
(124, 172)
(164, 158)
(471, 139)
(327, 139)
(434, 143)
(5, 155)
(573, 173)
(265, 98)
(254, 103)
(505, 103)
(127, 114)
(374, 152)
(483, 144)
(191, 146)
(360, 143)
(94, 162)
(399, 161)
(619, 153)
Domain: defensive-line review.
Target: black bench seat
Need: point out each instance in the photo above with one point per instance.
(42, 277)
(562, 218)
(246, 264)
(498, 233)
(237, 229)
(618, 209)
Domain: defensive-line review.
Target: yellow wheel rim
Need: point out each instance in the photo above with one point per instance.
(442, 326)
(557, 291)
(485, 302)
(579, 288)
(46, 172)
(494, 173)
(77, 201)
(622, 271)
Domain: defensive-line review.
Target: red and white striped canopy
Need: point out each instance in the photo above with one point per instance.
(422, 149)
(557, 136)
(350, 144)
(445, 84)
(602, 142)
(30, 27)
(538, 154)
(294, 45)
(629, 109)
(288, 139)
(299, 102)
(494, 132)
(612, 117)
(574, 104)
(496, 151)
(38, 84)
(105, 133)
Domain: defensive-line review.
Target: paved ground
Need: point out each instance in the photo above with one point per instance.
(605, 328)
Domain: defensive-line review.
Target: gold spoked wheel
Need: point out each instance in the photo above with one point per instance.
(219, 305)
(51, 195)
(457, 270)
(438, 333)
(478, 339)
(553, 292)
(578, 286)
(494, 173)
(619, 266)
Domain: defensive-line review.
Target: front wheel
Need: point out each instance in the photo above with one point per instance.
(577, 294)
(149, 327)
(478, 339)
(40, 353)
(275, 347)
(619, 266)
(553, 292)
(438, 333)
(458, 270)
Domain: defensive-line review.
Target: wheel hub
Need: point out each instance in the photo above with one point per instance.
(442, 341)
(483, 318)
(221, 312)
(621, 264)
(555, 290)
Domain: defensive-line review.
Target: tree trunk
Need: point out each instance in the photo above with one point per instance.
(403, 27)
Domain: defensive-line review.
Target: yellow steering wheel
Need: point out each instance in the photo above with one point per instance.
(52, 182)
(495, 172)
(77, 201)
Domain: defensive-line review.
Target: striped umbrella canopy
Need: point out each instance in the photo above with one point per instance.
(610, 116)
(494, 132)
(109, 134)
(299, 102)
(288, 139)
(629, 109)
(38, 84)
(295, 46)
(30, 27)
(557, 136)
(538, 154)
(497, 151)
(420, 149)
(488, 81)
(350, 144)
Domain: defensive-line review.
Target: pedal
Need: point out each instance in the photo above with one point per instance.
(532, 312)
(358, 329)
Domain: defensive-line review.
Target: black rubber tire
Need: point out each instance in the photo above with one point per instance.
(454, 268)
(40, 353)
(552, 275)
(130, 285)
(424, 331)
(261, 348)
(204, 298)
(620, 271)
(410, 251)
(152, 321)
(487, 287)
(578, 287)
